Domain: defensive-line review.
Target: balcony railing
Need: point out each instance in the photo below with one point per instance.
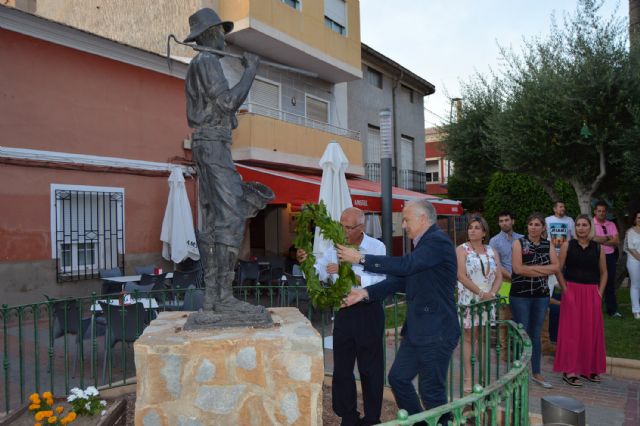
(300, 120)
(409, 179)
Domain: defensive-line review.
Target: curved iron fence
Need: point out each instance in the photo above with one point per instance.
(59, 344)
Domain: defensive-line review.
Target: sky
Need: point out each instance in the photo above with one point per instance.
(448, 41)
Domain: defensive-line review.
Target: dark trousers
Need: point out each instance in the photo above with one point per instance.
(554, 317)
(430, 363)
(357, 335)
(610, 290)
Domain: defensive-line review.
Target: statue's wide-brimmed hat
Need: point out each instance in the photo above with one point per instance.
(204, 19)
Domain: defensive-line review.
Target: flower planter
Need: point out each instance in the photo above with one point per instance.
(115, 415)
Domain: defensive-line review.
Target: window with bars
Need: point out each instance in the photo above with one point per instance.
(87, 230)
(317, 109)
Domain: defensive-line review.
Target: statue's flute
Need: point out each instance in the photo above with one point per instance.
(233, 55)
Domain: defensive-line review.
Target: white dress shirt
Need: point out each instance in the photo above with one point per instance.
(367, 246)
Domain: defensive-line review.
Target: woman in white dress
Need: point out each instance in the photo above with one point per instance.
(632, 247)
(479, 279)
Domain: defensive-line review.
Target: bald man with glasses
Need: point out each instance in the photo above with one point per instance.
(357, 330)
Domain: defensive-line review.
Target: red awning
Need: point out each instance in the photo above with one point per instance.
(301, 188)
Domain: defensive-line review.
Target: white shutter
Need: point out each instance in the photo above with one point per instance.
(265, 98)
(336, 10)
(317, 110)
(406, 154)
(373, 145)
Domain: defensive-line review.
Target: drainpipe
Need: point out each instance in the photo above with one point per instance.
(406, 243)
(396, 148)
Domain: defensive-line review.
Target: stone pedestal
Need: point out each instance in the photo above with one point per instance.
(233, 376)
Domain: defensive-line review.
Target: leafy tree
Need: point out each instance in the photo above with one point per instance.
(468, 146)
(568, 109)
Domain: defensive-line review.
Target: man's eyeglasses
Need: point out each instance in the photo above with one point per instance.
(351, 228)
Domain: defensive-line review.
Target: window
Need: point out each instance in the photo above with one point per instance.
(433, 170)
(317, 109)
(334, 26)
(373, 145)
(374, 77)
(335, 16)
(293, 3)
(264, 97)
(87, 230)
(409, 91)
(406, 153)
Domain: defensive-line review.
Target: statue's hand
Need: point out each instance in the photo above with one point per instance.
(249, 60)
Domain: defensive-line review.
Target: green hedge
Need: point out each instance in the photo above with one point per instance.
(522, 195)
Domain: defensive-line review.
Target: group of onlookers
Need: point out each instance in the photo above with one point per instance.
(512, 265)
(579, 257)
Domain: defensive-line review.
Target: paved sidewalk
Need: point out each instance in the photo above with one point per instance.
(612, 402)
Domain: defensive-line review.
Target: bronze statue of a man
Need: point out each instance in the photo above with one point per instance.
(225, 200)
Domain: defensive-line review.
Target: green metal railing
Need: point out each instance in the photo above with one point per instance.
(499, 371)
(59, 344)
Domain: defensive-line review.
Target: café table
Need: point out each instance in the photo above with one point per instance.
(147, 302)
(131, 278)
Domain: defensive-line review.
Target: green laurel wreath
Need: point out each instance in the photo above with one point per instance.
(322, 296)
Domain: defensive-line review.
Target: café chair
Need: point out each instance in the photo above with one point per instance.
(133, 287)
(146, 269)
(67, 319)
(293, 289)
(110, 287)
(124, 324)
(181, 281)
(193, 299)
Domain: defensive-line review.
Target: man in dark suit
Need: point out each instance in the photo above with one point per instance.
(431, 331)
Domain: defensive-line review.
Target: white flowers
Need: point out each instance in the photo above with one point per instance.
(78, 393)
(91, 391)
(86, 402)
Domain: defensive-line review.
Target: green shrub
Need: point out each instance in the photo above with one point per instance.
(522, 195)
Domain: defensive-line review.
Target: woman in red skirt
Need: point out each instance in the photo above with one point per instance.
(580, 352)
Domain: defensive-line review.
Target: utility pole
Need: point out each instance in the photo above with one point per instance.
(453, 100)
(386, 168)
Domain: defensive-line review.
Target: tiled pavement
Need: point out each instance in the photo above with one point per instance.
(613, 402)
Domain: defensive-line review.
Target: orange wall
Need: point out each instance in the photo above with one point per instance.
(433, 149)
(59, 99)
(25, 227)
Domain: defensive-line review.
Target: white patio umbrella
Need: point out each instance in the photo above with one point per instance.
(178, 235)
(334, 190)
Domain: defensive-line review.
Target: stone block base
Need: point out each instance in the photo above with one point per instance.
(232, 376)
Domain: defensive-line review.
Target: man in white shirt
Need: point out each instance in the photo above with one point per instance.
(357, 330)
(560, 228)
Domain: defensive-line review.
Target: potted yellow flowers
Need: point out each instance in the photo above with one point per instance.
(45, 413)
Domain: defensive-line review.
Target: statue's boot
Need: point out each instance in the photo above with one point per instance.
(226, 257)
(209, 264)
